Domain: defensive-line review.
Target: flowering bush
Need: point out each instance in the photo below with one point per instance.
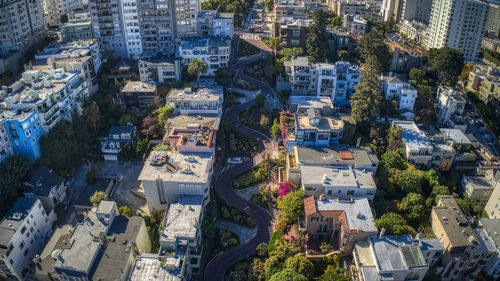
(286, 188)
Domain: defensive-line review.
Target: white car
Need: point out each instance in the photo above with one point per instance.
(234, 160)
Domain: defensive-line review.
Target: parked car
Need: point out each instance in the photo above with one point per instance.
(234, 160)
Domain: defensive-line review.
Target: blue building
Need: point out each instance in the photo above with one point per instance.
(25, 131)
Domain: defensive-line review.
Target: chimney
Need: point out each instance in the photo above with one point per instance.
(382, 232)
(358, 142)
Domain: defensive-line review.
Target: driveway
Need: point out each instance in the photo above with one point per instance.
(245, 233)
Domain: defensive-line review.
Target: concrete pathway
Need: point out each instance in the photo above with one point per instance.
(248, 192)
(245, 233)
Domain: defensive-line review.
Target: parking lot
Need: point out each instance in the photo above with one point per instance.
(477, 127)
(128, 191)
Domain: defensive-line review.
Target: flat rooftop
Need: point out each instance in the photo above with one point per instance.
(492, 228)
(13, 219)
(478, 182)
(302, 103)
(138, 87)
(341, 154)
(150, 267)
(184, 121)
(212, 93)
(392, 253)
(336, 177)
(455, 135)
(326, 123)
(60, 239)
(183, 218)
(413, 137)
(177, 167)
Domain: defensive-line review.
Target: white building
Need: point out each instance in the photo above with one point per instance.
(202, 101)
(168, 175)
(23, 232)
(156, 267)
(161, 70)
(491, 228)
(393, 86)
(450, 103)
(342, 183)
(492, 206)
(355, 24)
(213, 23)
(214, 51)
(44, 185)
(5, 144)
(395, 258)
(458, 24)
(54, 9)
(418, 147)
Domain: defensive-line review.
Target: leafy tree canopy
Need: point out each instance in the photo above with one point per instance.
(448, 63)
(291, 206)
(413, 206)
(12, 170)
(301, 265)
(393, 223)
(288, 275)
(97, 197)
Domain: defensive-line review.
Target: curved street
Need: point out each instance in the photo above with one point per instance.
(216, 268)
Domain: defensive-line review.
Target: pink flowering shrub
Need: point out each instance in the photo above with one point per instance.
(286, 188)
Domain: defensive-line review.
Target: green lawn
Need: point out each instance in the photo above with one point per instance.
(260, 200)
(248, 178)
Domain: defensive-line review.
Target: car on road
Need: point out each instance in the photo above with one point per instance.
(234, 160)
(482, 130)
(473, 114)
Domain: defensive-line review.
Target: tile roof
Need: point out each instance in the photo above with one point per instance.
(309, 206)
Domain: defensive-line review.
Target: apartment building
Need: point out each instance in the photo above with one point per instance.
(492, 24)
(340, 39)
(216, 24)
(478, 188)
(458, 24)
(76, 30)
(6, 149)
(194, 137)
(454, 149)
(107, 25)
(401, 10)
(24, 130)
(215, 51)
(43, 184)
(22, 25)
(138, 95)
(466, 249)
(118, 136)
(186, 17)
(395, 258)
(418, 147)
(161, 70)
(202, 101)
(23, 231)
(485, 81)
(355, 24)
(450, 104)
(341, 223)
(181, 234)
(291, 32)
(403, 91)
(413, 30)
(55, 9)
(101, 247)
(405, 54)
(335, 80)
(491, 228)
(362, 8)
(493, 205)
(168, 175)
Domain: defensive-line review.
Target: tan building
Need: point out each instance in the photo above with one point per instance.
(466, 251)
(493, 205)
(137, 94)
(485, 80)
(341, 223)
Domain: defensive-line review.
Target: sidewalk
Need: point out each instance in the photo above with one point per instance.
(245, 233)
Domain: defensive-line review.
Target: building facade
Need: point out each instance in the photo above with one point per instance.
(137, 94)
(6, 149)
(394, 87)
(215, 51)
(450, 103)
(161, 70)
(118, 136)
(418, 147)
(54, 9)
(202, 101)
(24, 129)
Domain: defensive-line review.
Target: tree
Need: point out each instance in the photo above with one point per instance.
(163, 113)
(394, 133)
(448, 63)
(125, 211)
(269, 5)
(301, 265)
(393, 223)
(336, 21)
(417, 75)
(81, 131)
(12, 170)
(259, 269)
(372, 44)
(142, 146)
(91, 115)
(61, 149)
(408, 180)
(291, 206)
(127, 118)
(413, 206)
(276, 129)
(342, 55)
(289, 53)
(260, 99)
(197, 67)
(262, 250)
(151, 126)
(63, 18)
(127, 152)
(392, 160)
(317, 37)
(90, 176)
(466, 71)
(264, 121)
(274, 43)
(390, 24)
(334, 274)
(97, 197)
(288, 275)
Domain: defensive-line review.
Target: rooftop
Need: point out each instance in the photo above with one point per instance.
(357, 211)
(477, 182)
(485, 244)
(13, 219)
(302, 103)
(177, 167)
(184, 121)
(41, 181)
(196, 42)
(396, 41)
(413, 137)
(60, 239)
(138, 87)
(151, 267)
(451, 93)
(212, 93)
(118, 130)
(335, 177)
(183, 219)
(455, 135)
(492, 228)
(336, 155)
(396, 253)
(326, 123)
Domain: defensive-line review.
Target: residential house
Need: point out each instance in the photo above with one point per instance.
(480, 187)
(418, 147)
(341, 223)
(452, 148)
(161, 70)
(6, 149)
(450, 103)
(24, 130)
(23, 233)
(181, 234)
(493, 205)
(466, 249)
(102, 247)
(202, 101)
(405, 54)
(403, 91)
(291, 32)
(122, 71)
(355, 24)
(157, 267)
(214, 51)
(397, 258)
(492, 229)
(43, 184)
(168, 175)
(188, 134)
(213, 23)
(117, 137)
(138, 95)
(340, 39)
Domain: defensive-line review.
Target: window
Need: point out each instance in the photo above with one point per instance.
(26, 252)
(23, 229)
(313, 219)
(21, 245)
(350, 192)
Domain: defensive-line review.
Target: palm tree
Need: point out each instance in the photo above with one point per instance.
(197, 67)
(274, 44)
